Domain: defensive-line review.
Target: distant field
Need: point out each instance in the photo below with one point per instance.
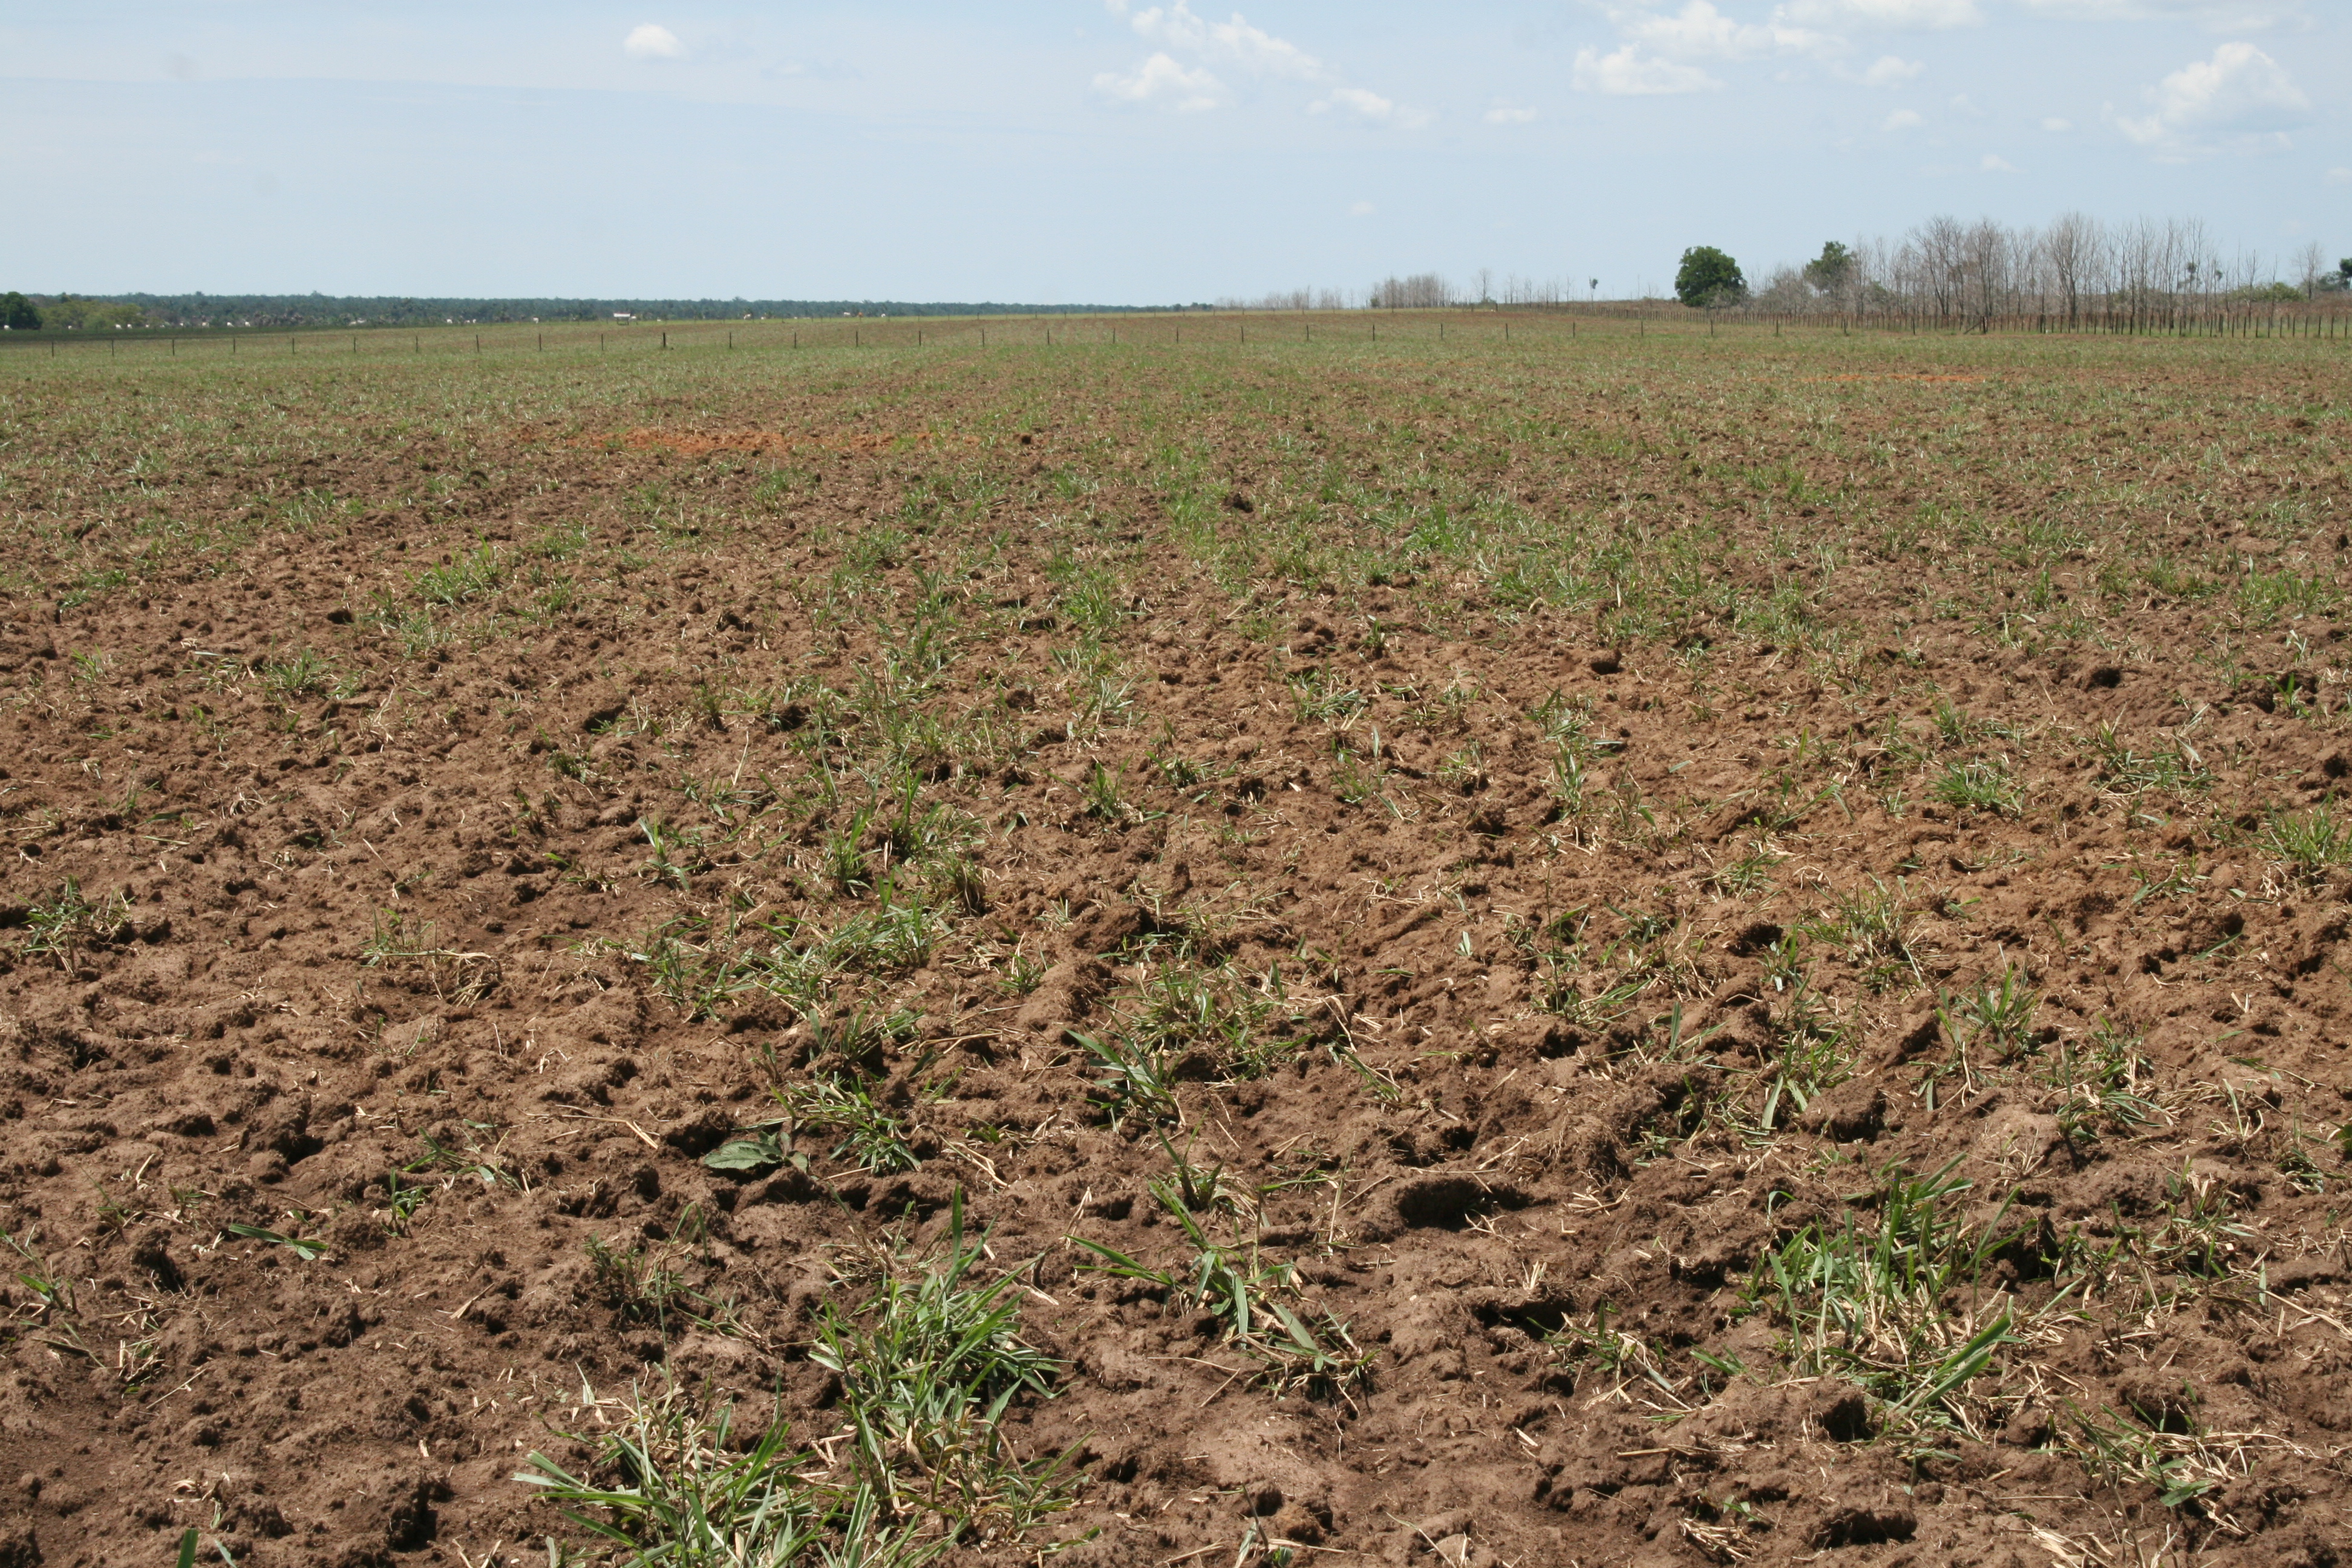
(1620, 944)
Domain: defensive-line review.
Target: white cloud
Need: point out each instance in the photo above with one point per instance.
(1886, 70)
(654, 43)
(2339, 176)
(2054, 123)
(2235, 14)
(1904, 14)
(2239, 92)
(1261, 51)
(1699, 29)
(1372, 106)
(1622, 73)
(1251, 48)
(1902, 120)
(1181, 33)
(1162, 80)
(1510, 114)
(1994, 164)
(1361, 209)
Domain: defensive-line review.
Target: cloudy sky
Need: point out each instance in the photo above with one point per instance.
(1082, 151)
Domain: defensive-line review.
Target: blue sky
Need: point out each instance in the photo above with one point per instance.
(1063, 150)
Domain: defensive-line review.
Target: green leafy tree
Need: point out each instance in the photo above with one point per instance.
(16, 313)
(79, 312)
(1708, 278)
(1829, 271)
(2337, 281)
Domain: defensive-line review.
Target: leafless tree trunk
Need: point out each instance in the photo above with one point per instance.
(2071, 247)
(2310, 265)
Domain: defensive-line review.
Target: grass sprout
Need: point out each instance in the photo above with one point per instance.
(685, 1490)
(1883, 1304)
(460, 578)
(1996, 1016)
(1250, 1295)
(66, 924)
(458, 978)
(2309, 841)
(929, 1365)
(872, 1139)
(1980, 785)
(1136, 1079)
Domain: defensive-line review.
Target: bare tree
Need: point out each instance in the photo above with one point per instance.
(2078, 274)
(2310, 267)
(1423, 290)
(2071, 247)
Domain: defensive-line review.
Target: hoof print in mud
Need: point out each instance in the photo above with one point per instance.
(1451, 1203)
(1843, 1414)
(1874, 1525)
(1853, 1111)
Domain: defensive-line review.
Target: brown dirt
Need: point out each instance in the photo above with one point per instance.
(1531, 1217)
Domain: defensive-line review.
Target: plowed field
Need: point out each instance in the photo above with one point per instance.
(1610, 950)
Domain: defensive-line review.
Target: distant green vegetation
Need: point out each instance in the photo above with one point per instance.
(64, 312)
(22, 312)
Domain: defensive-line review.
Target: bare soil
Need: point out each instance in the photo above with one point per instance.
(435, 963)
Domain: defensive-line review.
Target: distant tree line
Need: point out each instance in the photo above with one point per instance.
(2151, 272)
(283, 311)
(63, 312)
(2076, 271)
(1421, 292)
